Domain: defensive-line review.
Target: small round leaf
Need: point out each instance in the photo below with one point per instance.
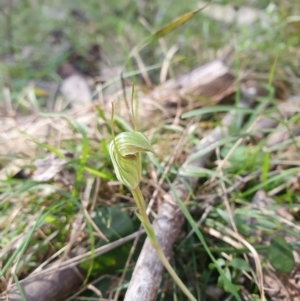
(280, 255)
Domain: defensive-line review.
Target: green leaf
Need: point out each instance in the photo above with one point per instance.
(217, 109)
(223, 214)
(98, 173)
(268, 225)
(240, 264)
(285, 175)
(220, 262)
(265, 167)
(200, 172)
(245, 156)
(240, 154)
(280, 255)
(113, 222)
(109, 263)
(221, 283)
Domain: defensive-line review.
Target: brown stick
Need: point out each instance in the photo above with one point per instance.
(148, 271)
(57, 285)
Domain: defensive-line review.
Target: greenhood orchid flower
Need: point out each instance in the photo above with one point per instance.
(125, 152)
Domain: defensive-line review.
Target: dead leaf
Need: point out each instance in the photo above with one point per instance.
(177, 22)
(76, 90)
(51, 167)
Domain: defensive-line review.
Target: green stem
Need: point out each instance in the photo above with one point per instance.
(139, 199)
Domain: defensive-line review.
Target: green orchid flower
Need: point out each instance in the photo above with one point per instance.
(125, 152)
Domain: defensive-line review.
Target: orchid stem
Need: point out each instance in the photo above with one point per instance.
(139, 199)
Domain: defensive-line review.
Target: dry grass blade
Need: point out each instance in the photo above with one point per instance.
(166, 64)
(177, 22)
